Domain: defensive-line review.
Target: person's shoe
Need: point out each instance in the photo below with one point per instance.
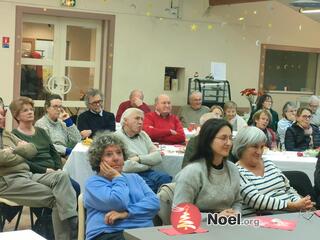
(73, 222)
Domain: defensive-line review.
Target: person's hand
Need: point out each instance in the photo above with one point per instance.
(50, 170)
(228, 212)
(137, 102)
(173, 132)
(21, 143)
(107, 171)
(112, 216)
(134, 158)
(85, 133)
(63, 114)
(302, 204)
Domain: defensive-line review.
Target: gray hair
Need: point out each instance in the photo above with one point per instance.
(205, 117)
(194, 93)
(313, 98)
(128, 112)
(157, 97)
(91, 93)
(286, 106)
(245, 137)
(134, 91)
(101, 141)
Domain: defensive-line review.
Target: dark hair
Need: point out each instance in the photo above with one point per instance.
(207, 133)
(301, 109)
(261, 100)
(51, 97)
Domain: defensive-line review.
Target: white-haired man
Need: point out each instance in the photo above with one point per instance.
(313, 104)
(135, 101)
(192, 113)
(142, 153)
(161, 125)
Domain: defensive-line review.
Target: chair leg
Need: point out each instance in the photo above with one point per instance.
(18, 220)
(31, 218)
(2, 222)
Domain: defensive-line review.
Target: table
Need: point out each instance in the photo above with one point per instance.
(305, 229)
(80, 170)
(21, 234)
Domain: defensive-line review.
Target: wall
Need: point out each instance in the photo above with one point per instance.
(144, 45)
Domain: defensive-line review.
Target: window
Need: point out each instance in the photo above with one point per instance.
(286, 68)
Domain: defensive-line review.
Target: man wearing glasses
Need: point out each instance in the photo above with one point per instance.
(59, 126)
(95, 119)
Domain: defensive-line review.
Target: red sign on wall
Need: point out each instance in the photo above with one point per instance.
(5, 42)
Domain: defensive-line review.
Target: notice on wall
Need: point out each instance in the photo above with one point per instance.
(219, 70)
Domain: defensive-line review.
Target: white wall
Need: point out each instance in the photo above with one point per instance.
(145, 45)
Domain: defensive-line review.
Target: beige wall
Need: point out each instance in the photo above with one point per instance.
(145, 45)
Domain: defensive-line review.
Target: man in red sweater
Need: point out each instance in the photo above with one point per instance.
(135, 101)
(161, 125)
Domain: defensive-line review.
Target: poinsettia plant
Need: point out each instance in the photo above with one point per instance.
(249, 92)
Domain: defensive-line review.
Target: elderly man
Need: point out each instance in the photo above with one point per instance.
(59, 126)
(161, 125)
(95, 119)
(313, 104)
(192, 113)
(52, 190)
(135, 101)
(142, 153)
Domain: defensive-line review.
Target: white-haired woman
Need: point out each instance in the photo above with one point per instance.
(264, 188)
(114, 200)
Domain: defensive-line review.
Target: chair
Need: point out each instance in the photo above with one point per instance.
(8, 210)
(302, 184)
(81, 218)
(165, 194)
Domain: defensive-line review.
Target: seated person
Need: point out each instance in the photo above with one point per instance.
(302, 135)
(47, 159)
(217, 110)
(59, 126)
(289, 112)
(115, 201)
(95, 118)
(135, 101)
(142, 153)
(192, 113)
(261, 120)
(193, 141)
(317, 180)
(51, 190)
(162, 126)
(210, 181)
(230, 111)
(313, 105)
(265, 102)
(264, 188)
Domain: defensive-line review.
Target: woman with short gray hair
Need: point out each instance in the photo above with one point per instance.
(263, 187)
(114, 200)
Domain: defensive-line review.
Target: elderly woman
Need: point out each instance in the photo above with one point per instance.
(230, 111)
(210, 181)
(261, 120)
(114, 200)
(289, 112)
(47, 159)
(302, 134)
(264, 102)
(264, 188)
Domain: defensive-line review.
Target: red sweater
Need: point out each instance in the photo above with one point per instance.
(158, 128)
(125, 105)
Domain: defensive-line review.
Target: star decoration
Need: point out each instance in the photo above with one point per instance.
(194, 27)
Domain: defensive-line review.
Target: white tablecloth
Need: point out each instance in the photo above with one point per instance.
(80, 170)
(20, 234)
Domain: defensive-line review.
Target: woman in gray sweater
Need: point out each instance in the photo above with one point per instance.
(210, 181)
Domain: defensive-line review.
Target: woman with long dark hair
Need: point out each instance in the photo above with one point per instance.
(210, 181)
(265, 102)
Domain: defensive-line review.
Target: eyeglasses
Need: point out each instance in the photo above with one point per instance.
(307, 117)
(225, 139)
(96, 102)
(57, 107)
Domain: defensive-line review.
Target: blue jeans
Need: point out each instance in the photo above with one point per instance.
(155, 179)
